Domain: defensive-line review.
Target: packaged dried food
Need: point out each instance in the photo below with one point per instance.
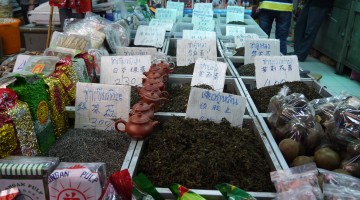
(41, 64)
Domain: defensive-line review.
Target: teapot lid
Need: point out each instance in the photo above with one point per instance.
(139, 118)
(141, 106)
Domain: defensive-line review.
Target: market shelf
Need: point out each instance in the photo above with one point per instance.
(214, 194)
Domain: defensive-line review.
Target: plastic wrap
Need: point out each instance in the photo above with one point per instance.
(299, 178)
(340, 186)
(5, 9)
(41, 64)
(301, 193)
(70, 41)
(58, 53)
(117, 35)
(183, 193)
(232, 192)
(97, 54)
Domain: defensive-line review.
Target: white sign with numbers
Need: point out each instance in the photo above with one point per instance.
(166, 13)
(204, 24)
(247, 36)
(199, 35)
(210, 73)
(135, 51)
(274, 70)
(237, 31)
(212, 105)
(235, 13)
(179, 6)
(261, 47)
(124, 70)
(20, 62)
(163, 23)
(97, 105)
(188, 51)
(150, 36)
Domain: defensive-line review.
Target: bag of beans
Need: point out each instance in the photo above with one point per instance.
(8, 141)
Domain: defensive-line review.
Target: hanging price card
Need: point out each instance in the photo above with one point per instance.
(187, 51)
(199, 35)
(150, 36)
(163, 23)
(237, 31)
(274, 70)
(210, 73)
(135, 51)
(166, 13)
(212, 105)
(124, 70)
(261, 47)
(97, 105)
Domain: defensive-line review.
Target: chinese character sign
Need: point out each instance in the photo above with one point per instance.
(199, 35)
(135, 51)
(202, 11)
(166, 13)
(274, 70)
(210, 73)
(211, 105)
(98, 105)
(179, 6)
(124, 70)
(261, 47)
(246, 36)
(237, 31)
(235, 13)
(187, 51)
(164, 23)
(150, 36)
(204, 24)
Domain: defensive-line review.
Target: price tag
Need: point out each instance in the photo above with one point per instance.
(210, 73)
(124, 70)
(97, 105)
(203, 6)
(204, 24)
(274, 70)
(163, 23)
(150, 36)
(20, 62)
(179, 6)
(235, 13)
(38, 68)
(202, 11)
(261, 47)
(188, 51)
(199, 35)
(166, 13)
(135, 51)
(246, 36)
(211, 105)
(238, 32)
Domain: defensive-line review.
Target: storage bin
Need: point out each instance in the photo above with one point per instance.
(10, 35)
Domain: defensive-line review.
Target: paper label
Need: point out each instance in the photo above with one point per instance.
(20, 62)
(261, 47)
(166, 13)
(236, 31)
(135, 51)
(211, 105)
(204, 24)
(29, 188)
(74, 184)
(97, 105)
(210, 73)
(179, 6)
(150, 36)
(274, 70)
(199, 35)
(203, 6)
(38, 68)
(246, 36)
(163, 23)
(124, 70)
(202, 11)
(188, 51)
(235, 13)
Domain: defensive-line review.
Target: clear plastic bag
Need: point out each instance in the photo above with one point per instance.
(302, 193)
(340, 186)
(58, 53)
(41, 64)
(70, 41)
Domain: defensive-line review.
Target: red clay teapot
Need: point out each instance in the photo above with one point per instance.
(152, 88)
(156, 75)
(152, 97)
(144, 108)
(159, 84)
(138, 126)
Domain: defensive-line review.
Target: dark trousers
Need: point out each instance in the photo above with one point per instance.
(283, 21)
(306, 28)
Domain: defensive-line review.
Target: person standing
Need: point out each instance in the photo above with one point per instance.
(281, 12)
(26, 6)
(307, 26)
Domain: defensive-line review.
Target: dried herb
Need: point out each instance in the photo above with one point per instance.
(237, 23)
(202, 154)
(247, 70)
(240, 51)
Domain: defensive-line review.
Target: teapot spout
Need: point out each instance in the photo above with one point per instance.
(155, 123)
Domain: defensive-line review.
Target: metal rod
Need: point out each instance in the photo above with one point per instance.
(49, 27)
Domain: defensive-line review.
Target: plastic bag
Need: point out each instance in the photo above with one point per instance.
(183, 193)
(58, 53)
(97, 54)
(340, 186)
(41, 64)
(5, 9)
(117, 35)
(301, 193)
(297, 179)
(142, 185)
(70, 41)
(232, 192)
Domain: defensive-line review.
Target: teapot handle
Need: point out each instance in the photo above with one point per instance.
(171, 66)
(165, 94)
(120, 121)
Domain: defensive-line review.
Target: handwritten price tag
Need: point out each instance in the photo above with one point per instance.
(274, 70)
(150, 36)
(163, 23)
(124, 70)
(20, 62)
(166, 13)
(211, 105)
(261, 47)
(246, 36)
(210, 73)
(199, 35)
(179, 6)
(204, 24)
(237, 31)
(96, 105)
(188, 51)
(235, 13)
(135, 51)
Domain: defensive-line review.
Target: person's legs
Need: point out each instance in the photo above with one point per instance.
(315, 17)
(300, 28)
(266, 18)
(283, 22)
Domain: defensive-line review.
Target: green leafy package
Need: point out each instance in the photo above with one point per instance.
(144, 189)
(183, 193)
(232, 192)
